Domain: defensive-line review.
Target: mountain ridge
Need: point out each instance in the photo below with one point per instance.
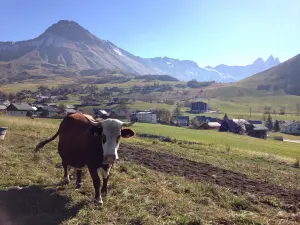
(67, 46)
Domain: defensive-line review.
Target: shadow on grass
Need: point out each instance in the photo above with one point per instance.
(34, 205)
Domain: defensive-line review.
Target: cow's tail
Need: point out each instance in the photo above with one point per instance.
(43, 143)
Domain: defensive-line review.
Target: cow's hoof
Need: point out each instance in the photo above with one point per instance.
(98, 201)
(78, 185)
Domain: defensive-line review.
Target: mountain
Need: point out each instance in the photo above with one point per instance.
(283, 79)
(184, 69)
(241, 72)
(66, 49)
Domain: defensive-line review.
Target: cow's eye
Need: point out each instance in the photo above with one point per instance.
(103, 138)
(118, 138)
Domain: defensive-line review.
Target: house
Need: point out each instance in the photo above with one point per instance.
(124, 112)
(206, 119)
(255, 121)
(47, 111)
(115, 100)
(99, 112)
(19, 109)
(290, 128)
(3, 108)
(68, 111)
(210, 126)
(198, 107)
(183, 121)
(257, 130)
(238, 126)
(146, 117)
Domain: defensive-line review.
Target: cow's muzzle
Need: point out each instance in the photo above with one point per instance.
(110, 159)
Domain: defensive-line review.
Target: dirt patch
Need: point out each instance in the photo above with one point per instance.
(191, 170)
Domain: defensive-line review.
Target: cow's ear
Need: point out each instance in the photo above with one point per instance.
(127, 133)
(96, 131)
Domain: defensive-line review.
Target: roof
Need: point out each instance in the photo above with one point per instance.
(259, 127)
(213, 124)
(97, 110)
(70, 110)
(70, 106)
(3, 107)
(255, 121)
(49, 108)
(22, 106)
(206, 118)
(183, 118)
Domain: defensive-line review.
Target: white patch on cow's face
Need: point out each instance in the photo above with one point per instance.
(111, 137)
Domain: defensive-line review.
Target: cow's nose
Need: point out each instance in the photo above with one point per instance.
(109, 158)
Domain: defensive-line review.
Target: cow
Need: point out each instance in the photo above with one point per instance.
(84, 141)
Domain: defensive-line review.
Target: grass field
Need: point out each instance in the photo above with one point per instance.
(225, 179)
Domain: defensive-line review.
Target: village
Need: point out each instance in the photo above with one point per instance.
(47, 106)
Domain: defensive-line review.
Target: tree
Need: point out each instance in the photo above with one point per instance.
(282, 110)
(298, 109)
(61, 107)
(225, 117)
(276, 126)
(163, 115)
(267, 109)
(264, 117)
(29, 114)
(269, 122)
(177, 111)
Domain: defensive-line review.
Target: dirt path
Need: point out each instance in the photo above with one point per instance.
(178, 166)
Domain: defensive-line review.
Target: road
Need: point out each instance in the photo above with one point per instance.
(294, 141)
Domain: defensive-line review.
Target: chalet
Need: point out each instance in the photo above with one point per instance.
(255, 121)
(198, 107)
(115, 100)
(3, 108)
(257, 130)
(183, 121)
(146, 117)
(238, 126)
(290, 128)
(19, 109)
(47, 111)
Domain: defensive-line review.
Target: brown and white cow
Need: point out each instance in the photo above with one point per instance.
(84, 141)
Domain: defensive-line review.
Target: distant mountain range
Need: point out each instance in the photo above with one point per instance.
(66, 48)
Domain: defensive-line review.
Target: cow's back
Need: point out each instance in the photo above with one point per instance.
(76, 145)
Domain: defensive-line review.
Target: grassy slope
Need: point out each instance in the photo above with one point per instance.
(139, 195)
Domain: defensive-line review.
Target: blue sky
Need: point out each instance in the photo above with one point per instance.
(210, 32)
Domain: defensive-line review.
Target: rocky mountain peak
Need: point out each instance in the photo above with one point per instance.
(70, 30)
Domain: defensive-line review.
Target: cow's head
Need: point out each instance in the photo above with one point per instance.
(110, 131)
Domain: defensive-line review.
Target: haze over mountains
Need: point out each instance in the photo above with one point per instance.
(68, 48)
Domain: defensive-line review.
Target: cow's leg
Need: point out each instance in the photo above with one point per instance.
(96, 183)
(78, 178)
(105, 169)
(66, 175)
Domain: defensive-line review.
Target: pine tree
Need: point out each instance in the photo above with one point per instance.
(276, 126)
(269, 122)
(225, 117)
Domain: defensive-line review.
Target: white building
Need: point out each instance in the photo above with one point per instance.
(290, 128)
(146, 117)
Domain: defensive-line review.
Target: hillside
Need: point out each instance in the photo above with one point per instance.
(221, 179)
(283, 79)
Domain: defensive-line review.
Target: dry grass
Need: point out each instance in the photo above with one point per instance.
(137, 194)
